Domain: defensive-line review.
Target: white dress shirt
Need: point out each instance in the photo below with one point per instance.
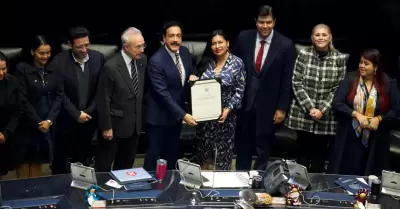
(266, 47)
(173, 56)
(128, 61)
(83, 63)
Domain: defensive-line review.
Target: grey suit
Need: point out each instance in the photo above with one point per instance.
(119, 109)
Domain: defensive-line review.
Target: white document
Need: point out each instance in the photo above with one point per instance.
(206, 100)
(226, 179)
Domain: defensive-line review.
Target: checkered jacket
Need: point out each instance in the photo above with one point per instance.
(315, 81)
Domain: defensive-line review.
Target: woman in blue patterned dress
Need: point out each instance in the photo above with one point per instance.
(220, 134)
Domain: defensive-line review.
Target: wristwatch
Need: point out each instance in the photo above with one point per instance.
(49, 121)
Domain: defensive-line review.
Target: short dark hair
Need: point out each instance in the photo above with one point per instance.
(265, 10)
(3, 58)
(37, 41)
(77, 32)
(169, 24)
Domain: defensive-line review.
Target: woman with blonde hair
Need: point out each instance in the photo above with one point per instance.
(317, 73)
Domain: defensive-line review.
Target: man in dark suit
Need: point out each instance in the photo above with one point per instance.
(119, 101)
(269, 59)
(168, 72)
(78, 69)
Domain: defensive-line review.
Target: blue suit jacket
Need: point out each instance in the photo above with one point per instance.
(166, 97)
(270, 89)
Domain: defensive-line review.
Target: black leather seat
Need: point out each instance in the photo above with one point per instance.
(395, 150)
(107, 50)
(14, 56)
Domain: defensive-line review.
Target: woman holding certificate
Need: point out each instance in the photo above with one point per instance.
(217, 137)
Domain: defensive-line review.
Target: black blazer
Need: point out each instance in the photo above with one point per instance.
(10, 110)
(64, 65)
(270, 89)
(118, 106)
(31, 93)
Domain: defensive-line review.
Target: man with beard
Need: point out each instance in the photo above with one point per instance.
(78, 69)
(269, 58)
(168, 72)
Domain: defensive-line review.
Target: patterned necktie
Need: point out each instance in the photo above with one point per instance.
(134, 77)
(260, 56)
(178, 65)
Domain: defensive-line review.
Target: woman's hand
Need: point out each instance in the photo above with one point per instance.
(224, 115)
(373, 123)
(316, 114)
(363, 120)
(193, 78)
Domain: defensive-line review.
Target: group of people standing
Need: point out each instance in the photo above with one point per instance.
(51, 110)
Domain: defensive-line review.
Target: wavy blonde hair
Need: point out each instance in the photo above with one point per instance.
(331, 47)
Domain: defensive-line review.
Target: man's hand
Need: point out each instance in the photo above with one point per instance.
(279, 116)
(224, 115)
(44, 126)
(84, 117)
(316, 114)
(2, 138)
(108, 134)
(193, 78)
(189, 120)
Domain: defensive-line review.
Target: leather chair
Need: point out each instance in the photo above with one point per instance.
(14, 56)
(107, 50)
(395, 150)
(395, 140)
(196, 49)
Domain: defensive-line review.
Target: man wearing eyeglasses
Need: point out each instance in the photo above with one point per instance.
(79, 70)
(119, 99)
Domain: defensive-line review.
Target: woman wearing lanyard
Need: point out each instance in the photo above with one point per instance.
(41, 101)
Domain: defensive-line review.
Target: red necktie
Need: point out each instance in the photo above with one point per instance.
(260, 56)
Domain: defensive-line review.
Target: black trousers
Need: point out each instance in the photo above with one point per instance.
(247, 141)
(75, 144)
(312, 150)
(121, 151)
(164, 143)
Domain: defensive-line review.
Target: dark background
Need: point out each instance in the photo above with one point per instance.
(356, 24)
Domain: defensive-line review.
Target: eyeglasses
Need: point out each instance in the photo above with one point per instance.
(86, 46)
(140, 47)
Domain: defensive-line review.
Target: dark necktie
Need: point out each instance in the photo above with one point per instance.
(260, 56)
(178, 65)
(134, 77)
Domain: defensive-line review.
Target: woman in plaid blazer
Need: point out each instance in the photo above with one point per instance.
(317, 73)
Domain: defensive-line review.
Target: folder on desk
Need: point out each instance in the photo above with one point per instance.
(351, 184)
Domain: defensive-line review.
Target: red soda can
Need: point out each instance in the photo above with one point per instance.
(161, 169)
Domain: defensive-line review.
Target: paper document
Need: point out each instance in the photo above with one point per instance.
(226, 179)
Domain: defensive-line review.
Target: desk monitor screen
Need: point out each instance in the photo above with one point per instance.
(190, 171)
(82, 176)
(391, 180)
(33, 203)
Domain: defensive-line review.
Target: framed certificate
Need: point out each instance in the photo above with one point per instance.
(206, 99)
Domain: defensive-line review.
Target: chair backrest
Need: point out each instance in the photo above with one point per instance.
(107, 50)
(196, 49)
(14, 56)
(299, 47)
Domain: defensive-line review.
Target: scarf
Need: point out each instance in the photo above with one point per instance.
(364, 103)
